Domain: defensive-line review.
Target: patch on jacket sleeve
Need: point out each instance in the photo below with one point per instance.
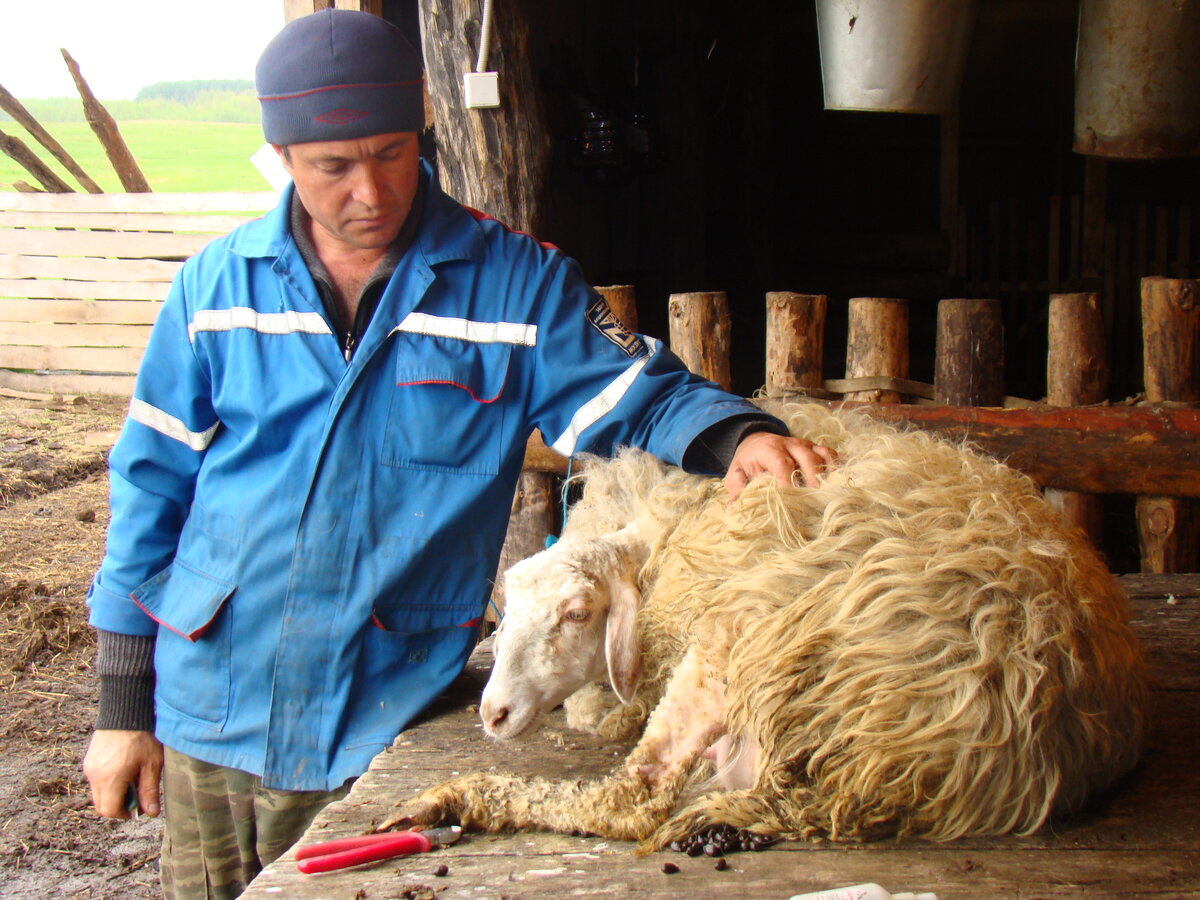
(605, 322)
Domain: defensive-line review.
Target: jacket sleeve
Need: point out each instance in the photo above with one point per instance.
(597, 386)
(153, 468)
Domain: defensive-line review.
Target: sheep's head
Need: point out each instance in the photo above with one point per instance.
(570, 615)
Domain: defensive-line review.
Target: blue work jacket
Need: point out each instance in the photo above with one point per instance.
(313, 539)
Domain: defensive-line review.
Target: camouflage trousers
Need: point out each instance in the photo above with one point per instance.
(221, 827)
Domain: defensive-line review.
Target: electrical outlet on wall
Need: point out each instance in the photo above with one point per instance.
(481, 90)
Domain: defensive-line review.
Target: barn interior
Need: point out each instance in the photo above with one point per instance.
(692, 150)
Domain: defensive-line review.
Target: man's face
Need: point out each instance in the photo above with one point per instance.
(357, 192)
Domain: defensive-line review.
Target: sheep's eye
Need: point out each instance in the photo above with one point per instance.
(577, 615)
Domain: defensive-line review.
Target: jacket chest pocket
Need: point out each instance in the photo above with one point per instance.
(446, 410)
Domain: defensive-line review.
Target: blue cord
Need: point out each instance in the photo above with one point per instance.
(496, 610)
(552, 539)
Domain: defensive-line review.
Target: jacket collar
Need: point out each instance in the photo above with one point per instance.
(446, 231)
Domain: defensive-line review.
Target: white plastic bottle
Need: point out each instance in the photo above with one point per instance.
(862, 892)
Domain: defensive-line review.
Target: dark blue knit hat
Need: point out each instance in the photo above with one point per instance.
(338, 74)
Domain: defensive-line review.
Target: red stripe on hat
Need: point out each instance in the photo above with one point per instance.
(338, 87)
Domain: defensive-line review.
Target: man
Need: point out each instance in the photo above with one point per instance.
(311, 490)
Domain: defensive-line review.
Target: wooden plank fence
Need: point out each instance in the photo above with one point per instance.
(82, 277)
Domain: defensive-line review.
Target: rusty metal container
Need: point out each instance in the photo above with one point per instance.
(1137, 79)
(894, 55)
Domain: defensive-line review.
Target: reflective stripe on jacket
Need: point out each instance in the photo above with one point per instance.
(312, 540)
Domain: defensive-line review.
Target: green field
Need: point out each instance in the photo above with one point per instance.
(174, 156)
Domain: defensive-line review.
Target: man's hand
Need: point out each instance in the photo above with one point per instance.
(117, 759)
(763, 451)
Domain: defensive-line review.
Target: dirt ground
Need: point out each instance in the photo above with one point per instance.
(53, 516)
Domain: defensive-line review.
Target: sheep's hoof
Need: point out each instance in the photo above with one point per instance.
(441, 805)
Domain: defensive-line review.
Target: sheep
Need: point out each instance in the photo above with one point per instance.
(917, 646)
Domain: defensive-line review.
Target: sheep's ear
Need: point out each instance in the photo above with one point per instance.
(621, 648)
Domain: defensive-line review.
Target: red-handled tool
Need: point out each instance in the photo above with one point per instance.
(354, 851)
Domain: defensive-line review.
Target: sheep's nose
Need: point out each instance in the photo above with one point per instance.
(493, 716)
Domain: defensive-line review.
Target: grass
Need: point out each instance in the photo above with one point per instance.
(174, 156)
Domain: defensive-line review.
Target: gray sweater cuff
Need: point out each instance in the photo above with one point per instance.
(711, 452)
(125, 664)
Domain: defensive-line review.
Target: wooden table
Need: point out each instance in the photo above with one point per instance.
(1141, 839)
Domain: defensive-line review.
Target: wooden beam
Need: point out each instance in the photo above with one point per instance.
(15, 148)
(85, 268)
(1101, 450)
(25, 119)
(124, 223)
(84, 334)
(104, 244)
(77, 383)
(129, 306)
(80, 205)
(109, 134)
(111, 360)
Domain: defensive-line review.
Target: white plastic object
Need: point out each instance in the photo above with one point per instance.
(267, 161)
(870, 891)
(481, 90)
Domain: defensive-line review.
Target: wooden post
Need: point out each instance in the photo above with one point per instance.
(795, 342)
(622, 300)
(26, 120)
(109, 134)
(969, 369)
(495, 160)
(1169, 527)
(700, 333)
(1076, 375)
(877, 344)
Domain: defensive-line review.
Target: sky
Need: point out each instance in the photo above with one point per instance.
(124, 45)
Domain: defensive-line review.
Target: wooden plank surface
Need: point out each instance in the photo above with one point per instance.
(140, 309)
(230, 201)
(76, 359)
(86, 269)
(83, 334)
(1139, 840)
(113, 244)
(214, 223)
(75, 383)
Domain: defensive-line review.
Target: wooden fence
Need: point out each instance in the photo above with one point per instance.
(1075, 443)
(82, 277)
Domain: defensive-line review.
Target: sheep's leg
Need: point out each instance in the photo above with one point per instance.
(627, 806)
(620, 807)
(688, 719)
